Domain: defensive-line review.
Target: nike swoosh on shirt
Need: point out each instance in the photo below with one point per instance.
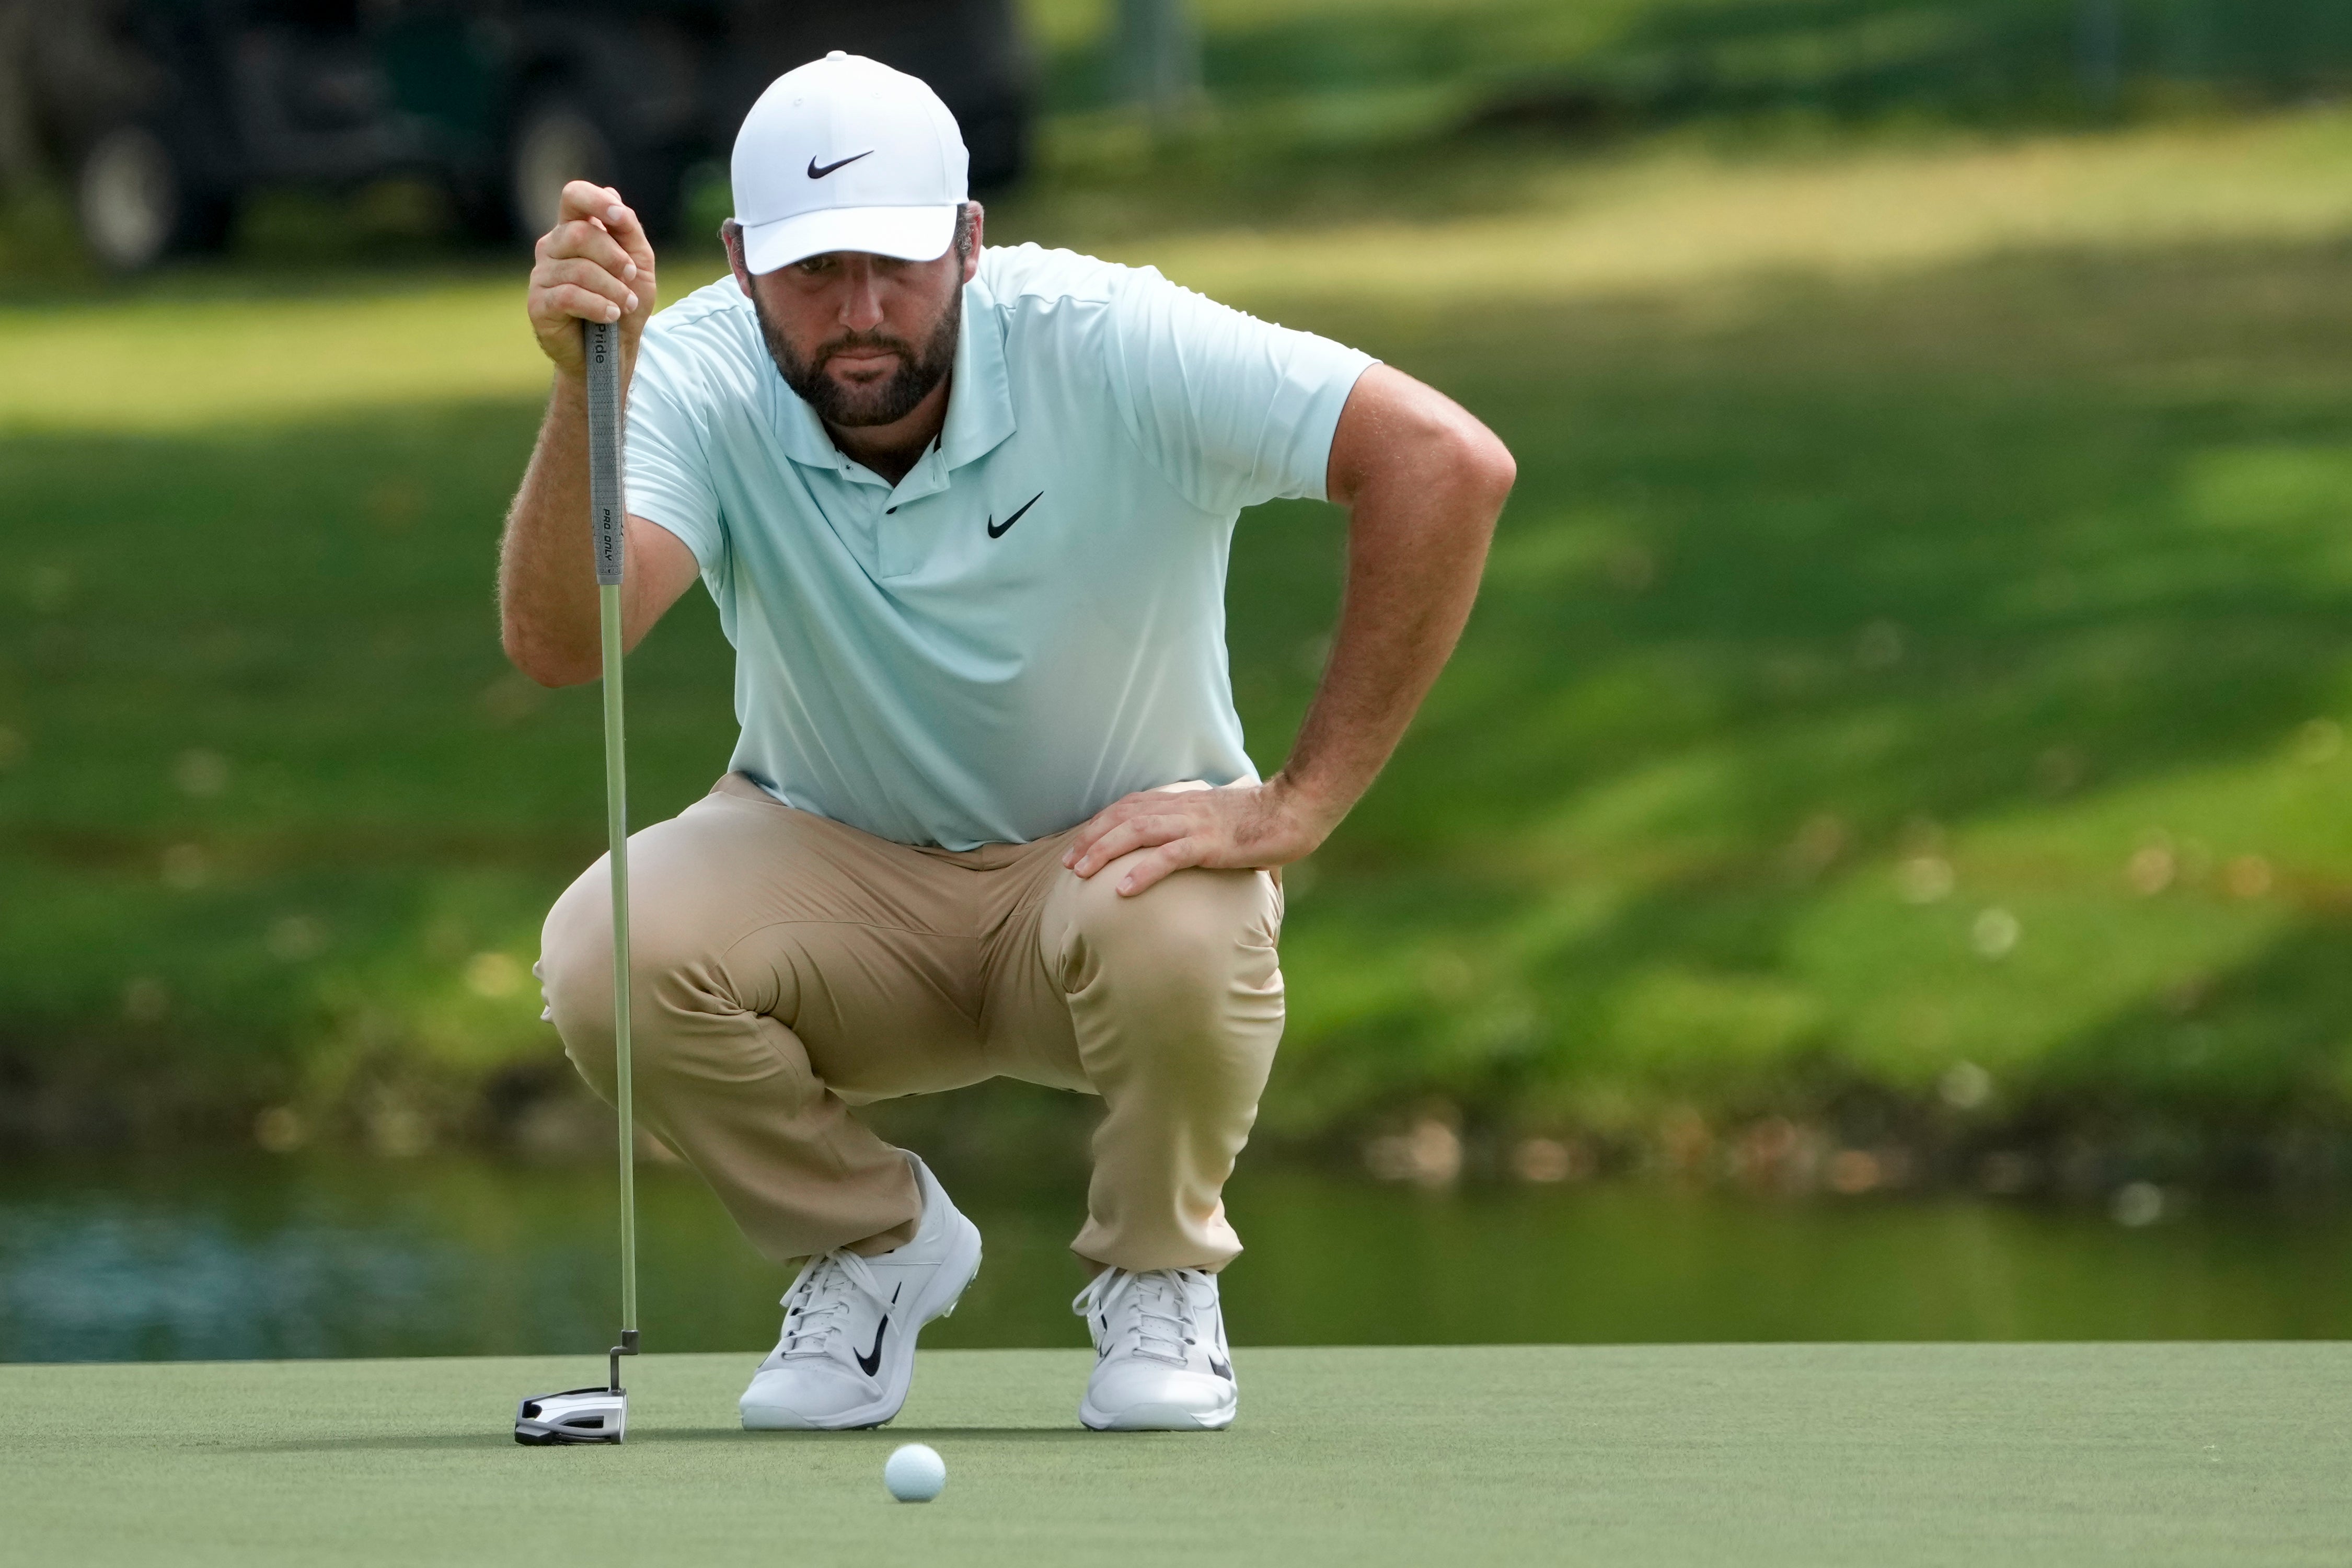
(996, 533)
(818, 174)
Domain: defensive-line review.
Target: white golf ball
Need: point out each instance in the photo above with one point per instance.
(914, 1472)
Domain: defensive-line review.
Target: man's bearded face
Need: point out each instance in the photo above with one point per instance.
(865, 393)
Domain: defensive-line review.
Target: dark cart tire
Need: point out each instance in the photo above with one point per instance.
(556, 140)
(137, 204)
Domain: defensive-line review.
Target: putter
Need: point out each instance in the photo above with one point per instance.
(602, 1415)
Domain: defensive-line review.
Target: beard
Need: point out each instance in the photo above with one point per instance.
(883, 403)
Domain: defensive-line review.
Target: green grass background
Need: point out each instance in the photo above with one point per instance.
(1908, 693)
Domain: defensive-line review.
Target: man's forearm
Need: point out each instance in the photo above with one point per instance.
(1416, 546)
(547, 573)
(1424, 483)
(594, 265)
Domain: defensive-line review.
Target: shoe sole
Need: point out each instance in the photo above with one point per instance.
(1158, 1418)
(948, 1286)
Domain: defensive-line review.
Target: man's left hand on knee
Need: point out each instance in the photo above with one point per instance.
(1234, 827)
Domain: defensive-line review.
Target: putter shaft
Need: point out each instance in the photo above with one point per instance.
(616, 828)
(609, 518)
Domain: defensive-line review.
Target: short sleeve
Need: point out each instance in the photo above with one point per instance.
(667, 464)
(1233, 410)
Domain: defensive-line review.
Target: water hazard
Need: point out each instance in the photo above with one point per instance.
(252, 1257)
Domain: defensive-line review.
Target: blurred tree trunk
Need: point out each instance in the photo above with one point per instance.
(20, 147)
(1159, 51)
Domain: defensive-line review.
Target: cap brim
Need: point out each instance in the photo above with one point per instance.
(908, 234)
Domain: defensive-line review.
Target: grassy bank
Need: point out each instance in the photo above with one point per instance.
(1907, 697)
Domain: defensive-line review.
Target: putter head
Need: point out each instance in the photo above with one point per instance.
(575, 1416)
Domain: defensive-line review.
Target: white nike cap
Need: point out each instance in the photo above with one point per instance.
(845, 153)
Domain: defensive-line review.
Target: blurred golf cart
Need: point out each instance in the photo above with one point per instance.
(160, 116)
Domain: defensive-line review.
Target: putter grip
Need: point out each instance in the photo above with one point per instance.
(608, 511)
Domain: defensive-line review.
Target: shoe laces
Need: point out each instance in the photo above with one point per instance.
(1153, 1312)
(818, 1305)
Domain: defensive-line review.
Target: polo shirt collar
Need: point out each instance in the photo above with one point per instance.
(980, 399)
(980, 404)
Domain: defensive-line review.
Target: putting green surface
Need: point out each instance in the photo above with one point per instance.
(1755, 1455)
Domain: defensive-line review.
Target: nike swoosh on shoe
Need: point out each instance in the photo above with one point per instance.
(871, 1362)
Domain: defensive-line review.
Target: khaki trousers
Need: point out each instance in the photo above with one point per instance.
(786, 967)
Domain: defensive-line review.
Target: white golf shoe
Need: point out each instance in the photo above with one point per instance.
(1160, 1360)
(847, 1353)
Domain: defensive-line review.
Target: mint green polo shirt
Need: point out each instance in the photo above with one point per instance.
(1031, 623)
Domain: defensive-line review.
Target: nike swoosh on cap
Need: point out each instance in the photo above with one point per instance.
(996, 533)
(818, 174)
